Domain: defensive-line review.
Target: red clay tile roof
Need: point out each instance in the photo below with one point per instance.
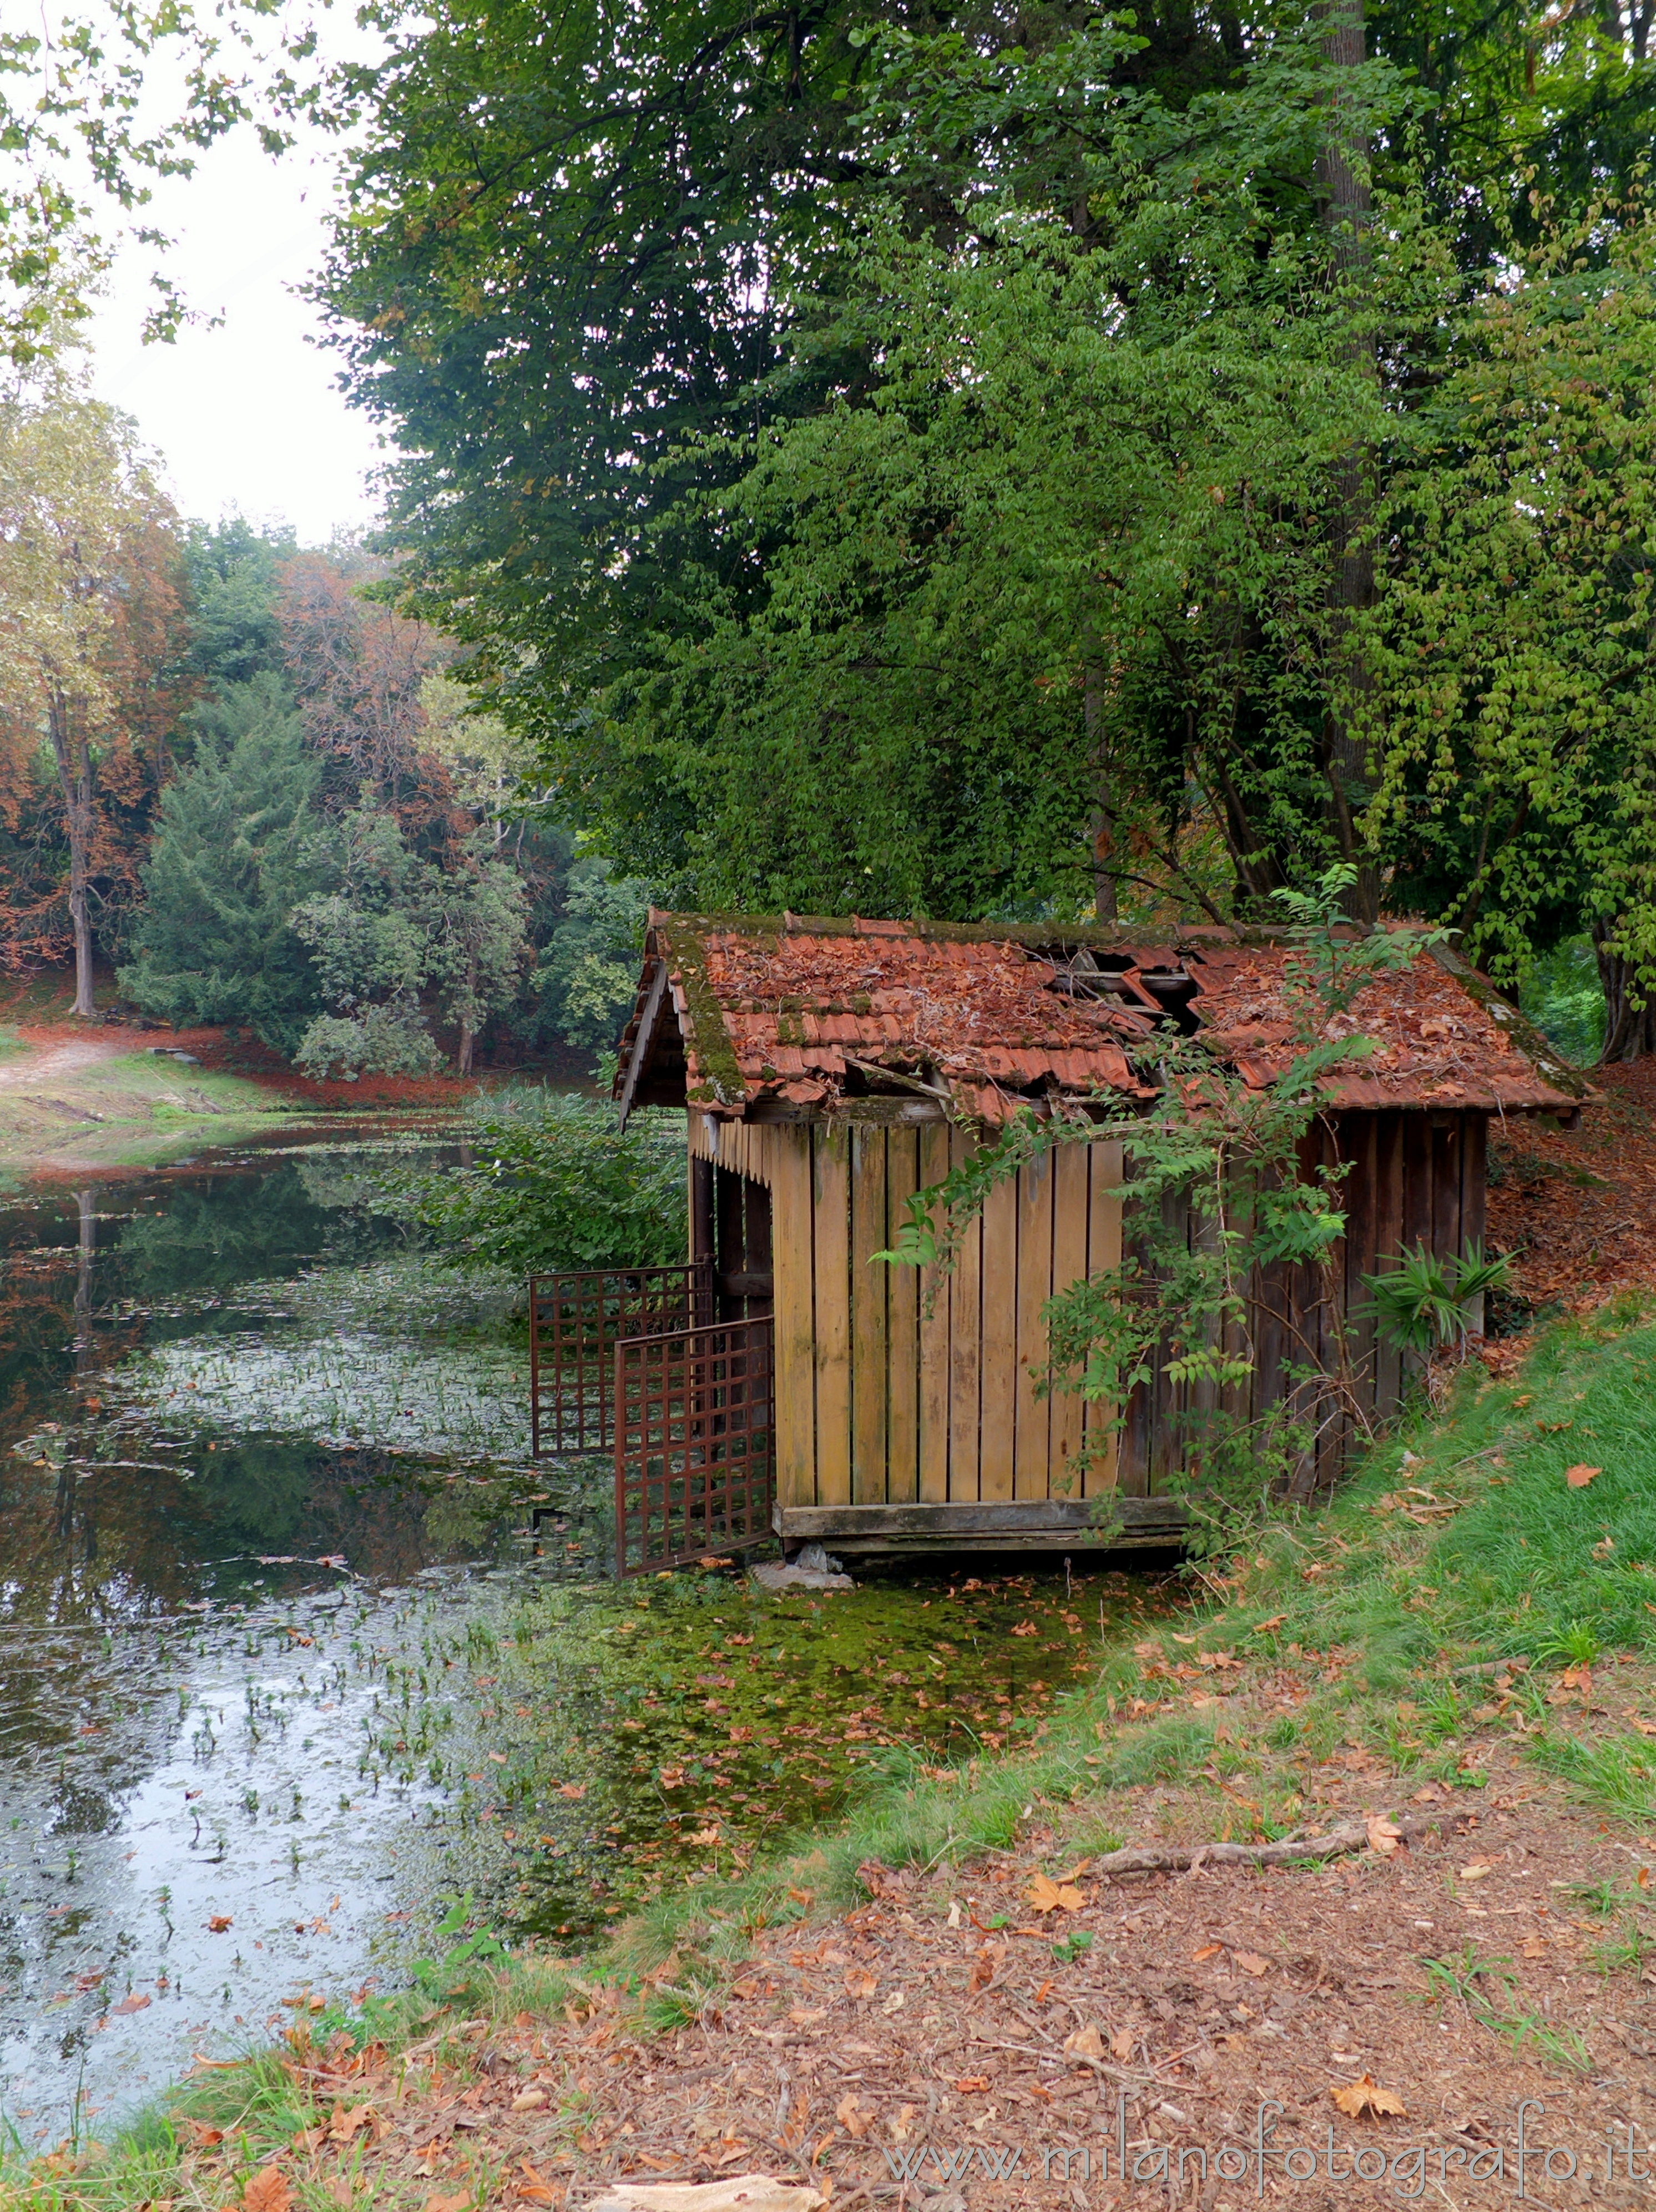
(736, 1010)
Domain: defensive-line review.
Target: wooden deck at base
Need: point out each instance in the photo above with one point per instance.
(1036, 1524)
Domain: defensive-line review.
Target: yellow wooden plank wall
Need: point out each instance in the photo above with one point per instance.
(966, 1352)
(894, 1384)
(933, 1289)
(903, 1325)
(1104, 1174)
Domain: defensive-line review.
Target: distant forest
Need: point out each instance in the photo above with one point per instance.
(257, 794)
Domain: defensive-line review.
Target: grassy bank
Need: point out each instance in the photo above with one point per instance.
(1481, 1590)
(128, 1110)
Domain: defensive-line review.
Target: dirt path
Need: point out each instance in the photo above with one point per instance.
(49, 1064)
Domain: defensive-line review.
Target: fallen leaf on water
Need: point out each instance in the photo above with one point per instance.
(1580, 1476)
(268, 2190)
(1251, 1962)
(859, 1983)
(134, 2002)
(219, 1923)
(1366, 2095)
(1085, 2043)
(1384, 1835)
(1476, 1871)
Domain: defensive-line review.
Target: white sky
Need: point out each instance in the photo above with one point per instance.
(244, 415)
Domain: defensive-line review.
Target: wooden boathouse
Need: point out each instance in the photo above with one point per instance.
(783, 1380)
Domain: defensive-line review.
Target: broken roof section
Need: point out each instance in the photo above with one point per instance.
(745, 1015)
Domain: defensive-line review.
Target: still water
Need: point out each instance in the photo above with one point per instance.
(300, 1646)
(255, 1464)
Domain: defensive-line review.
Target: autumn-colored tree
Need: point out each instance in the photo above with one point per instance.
(90, 619)
(358, 671)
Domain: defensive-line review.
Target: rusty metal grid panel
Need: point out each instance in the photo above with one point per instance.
(695, 1446)
(575, 1320)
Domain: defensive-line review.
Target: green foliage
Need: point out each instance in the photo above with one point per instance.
(233, 572)
(1563, 995)
(1511, 647)
(394, 929)
(233, 856)
(1424, 1302)
(552, 1183)
(588, 971)
(468, 1961)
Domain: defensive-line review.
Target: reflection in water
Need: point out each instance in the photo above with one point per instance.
(196, 1625)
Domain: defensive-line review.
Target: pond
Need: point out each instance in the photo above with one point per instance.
(300, 1646)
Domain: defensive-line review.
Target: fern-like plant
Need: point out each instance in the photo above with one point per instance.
(1423, 1303)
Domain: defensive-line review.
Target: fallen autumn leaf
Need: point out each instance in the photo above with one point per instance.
(1364, 2095)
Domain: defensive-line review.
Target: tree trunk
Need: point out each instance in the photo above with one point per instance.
(72, 756)
(1342, 180)
(1629, 1007)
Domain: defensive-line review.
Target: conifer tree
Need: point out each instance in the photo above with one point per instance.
(233, 856)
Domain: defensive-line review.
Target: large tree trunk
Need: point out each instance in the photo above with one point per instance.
(72, 756)
(1629, 1007)
(1343, 184)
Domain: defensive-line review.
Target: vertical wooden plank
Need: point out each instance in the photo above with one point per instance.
(795, 1325)
(902, 1324)
(830, 1184)
(1389, 1176)
(1417, 1181)
(1358, 1195)
(1031, 1449)
(1473, 1187)
(933, 1291)
(1474, 1177)
(1446, 1186)
(998, 1385)
(869, 1334)
(1069, 1266)
(966, 1352)
(1103, 1441)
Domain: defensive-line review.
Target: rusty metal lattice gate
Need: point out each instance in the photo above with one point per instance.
(695, 1449)
(576, 1321)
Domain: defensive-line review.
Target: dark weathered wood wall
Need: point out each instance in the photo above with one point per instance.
(1412, 1178)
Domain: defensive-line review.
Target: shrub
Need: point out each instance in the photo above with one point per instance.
(553, 1183)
